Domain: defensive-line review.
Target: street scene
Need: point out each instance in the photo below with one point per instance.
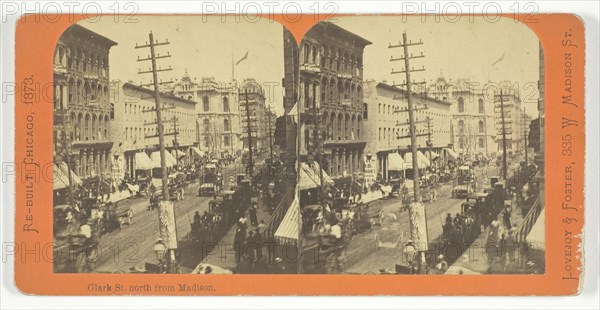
(420, 147)
(176, 159)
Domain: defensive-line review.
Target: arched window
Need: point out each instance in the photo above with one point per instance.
(205, 103)
(226, 141)
(481, 143)
(226, 126)
(481, 127)
(461, 127)
(225, 104)
(206, 125)
(106, 127)
(461, 105)
(189, 97)
(481, 106)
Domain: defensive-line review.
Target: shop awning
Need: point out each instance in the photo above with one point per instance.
(423, 162)
(451, 154)
(431, 155)
(197, 151)
(395, 162)
(61, 177)
(287, 232)
(537, 236)
(142, 161)
(309, 178)
(169, 159)
(178, 153)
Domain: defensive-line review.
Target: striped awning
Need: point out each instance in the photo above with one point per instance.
(287, 232)
(143, 162)
(310, 177)
(537, 236)
(61, 177)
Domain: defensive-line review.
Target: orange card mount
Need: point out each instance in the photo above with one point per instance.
(210, 156)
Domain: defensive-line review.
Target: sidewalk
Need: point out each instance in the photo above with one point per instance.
(223, 255)
(483, 257)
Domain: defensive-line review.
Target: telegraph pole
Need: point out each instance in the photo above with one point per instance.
(66, 150)
(417, 211)
(525, 139)
(411, 109)
(250, 165)
(318, 151)
(175, 141)
(270, 145)
(167, 224)
(504, 164)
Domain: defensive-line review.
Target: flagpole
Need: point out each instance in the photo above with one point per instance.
(232, 66)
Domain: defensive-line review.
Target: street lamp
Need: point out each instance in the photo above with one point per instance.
(410, 252)
(159, 251)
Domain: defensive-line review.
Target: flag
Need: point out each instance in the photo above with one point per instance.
(242, 59)
(499, 60)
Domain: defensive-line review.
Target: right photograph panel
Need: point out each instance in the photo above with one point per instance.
(420, 146)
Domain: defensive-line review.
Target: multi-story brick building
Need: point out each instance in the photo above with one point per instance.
(134, 129)
(82, 109)
(330, 62)
(218, 113)
(386, 126)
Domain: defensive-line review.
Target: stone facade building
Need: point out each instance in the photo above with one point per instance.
(331, 87)
(82, 108)
(218, 114)
(473, 115)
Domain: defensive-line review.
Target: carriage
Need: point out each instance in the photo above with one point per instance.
(72, 252)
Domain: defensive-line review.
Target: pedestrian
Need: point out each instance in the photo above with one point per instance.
(258, 238)
(253, 217)
(442, 266)
(506, 218)
(238, 240)
(250, 248)
(262, 225)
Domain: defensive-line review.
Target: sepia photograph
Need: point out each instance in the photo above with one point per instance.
(420, 147)
(171, 148)
(378, 145)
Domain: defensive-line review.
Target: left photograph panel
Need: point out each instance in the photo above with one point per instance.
(174, 147)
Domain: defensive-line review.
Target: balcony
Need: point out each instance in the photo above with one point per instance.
(312, 68)
(60, 70)
(344, 75)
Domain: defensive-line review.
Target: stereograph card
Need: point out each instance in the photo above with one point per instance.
(347, 155)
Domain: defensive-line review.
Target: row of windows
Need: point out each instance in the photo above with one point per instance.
(461, 105)
(207, 128)
(138, 134)
(463, 145)
(206, 103)
(89, 127)
(461, 127)
(391, 134)
(212, 141)
(81, 60)
(331, 58)
(80, 92)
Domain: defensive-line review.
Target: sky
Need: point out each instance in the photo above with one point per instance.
(457, 50)
(202, 45)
